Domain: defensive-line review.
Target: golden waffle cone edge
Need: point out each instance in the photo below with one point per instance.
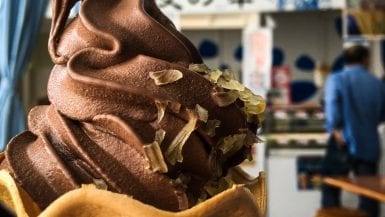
(247, 200)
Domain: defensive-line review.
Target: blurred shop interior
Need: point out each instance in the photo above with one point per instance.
(280, 49)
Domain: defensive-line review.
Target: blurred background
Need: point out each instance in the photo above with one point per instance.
(282, 50)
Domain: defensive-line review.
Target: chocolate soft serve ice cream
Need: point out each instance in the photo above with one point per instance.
(133, 110)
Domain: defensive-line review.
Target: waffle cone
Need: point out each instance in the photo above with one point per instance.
(15, 198)
(247, 200)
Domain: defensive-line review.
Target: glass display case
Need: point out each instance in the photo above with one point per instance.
(295, 127)
(295, 142)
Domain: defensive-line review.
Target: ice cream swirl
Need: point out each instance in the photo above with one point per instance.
(106, 109)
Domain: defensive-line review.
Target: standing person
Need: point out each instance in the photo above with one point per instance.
(354, 107)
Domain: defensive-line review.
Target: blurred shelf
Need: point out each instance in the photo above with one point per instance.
(297, 136)
(304, 106)
(296, 140)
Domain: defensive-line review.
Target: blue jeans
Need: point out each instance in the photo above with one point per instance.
(331, 196)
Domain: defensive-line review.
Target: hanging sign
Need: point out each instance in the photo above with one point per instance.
(257, 59)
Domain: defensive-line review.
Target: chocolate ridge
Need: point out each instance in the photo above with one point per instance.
(104, 110)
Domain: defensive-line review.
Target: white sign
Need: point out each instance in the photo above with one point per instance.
(216, 6)
(257, 59)
(228, 6)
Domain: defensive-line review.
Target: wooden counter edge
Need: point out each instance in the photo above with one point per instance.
(347, 186)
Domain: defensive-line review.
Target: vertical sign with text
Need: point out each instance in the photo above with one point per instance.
(257, 59)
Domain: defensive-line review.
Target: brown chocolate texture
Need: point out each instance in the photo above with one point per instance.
(103, 109)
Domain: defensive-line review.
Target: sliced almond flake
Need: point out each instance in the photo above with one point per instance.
(159, 136)
(255, 108)
(215, 163)
(211, 126)
(202, 113)
(231, 85)
(212, 188)
(245, 95)
(255, 99)
(100, 184)
(223, 99)
(155, 157)
(174, 151)
(232, 143)
(214, 75)
(200, 68)
(215, 187)
(228, 75)
(207, 76)
(166, 76)
(182, 181)
(203, 196)
(251, 138)
(161, 106)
